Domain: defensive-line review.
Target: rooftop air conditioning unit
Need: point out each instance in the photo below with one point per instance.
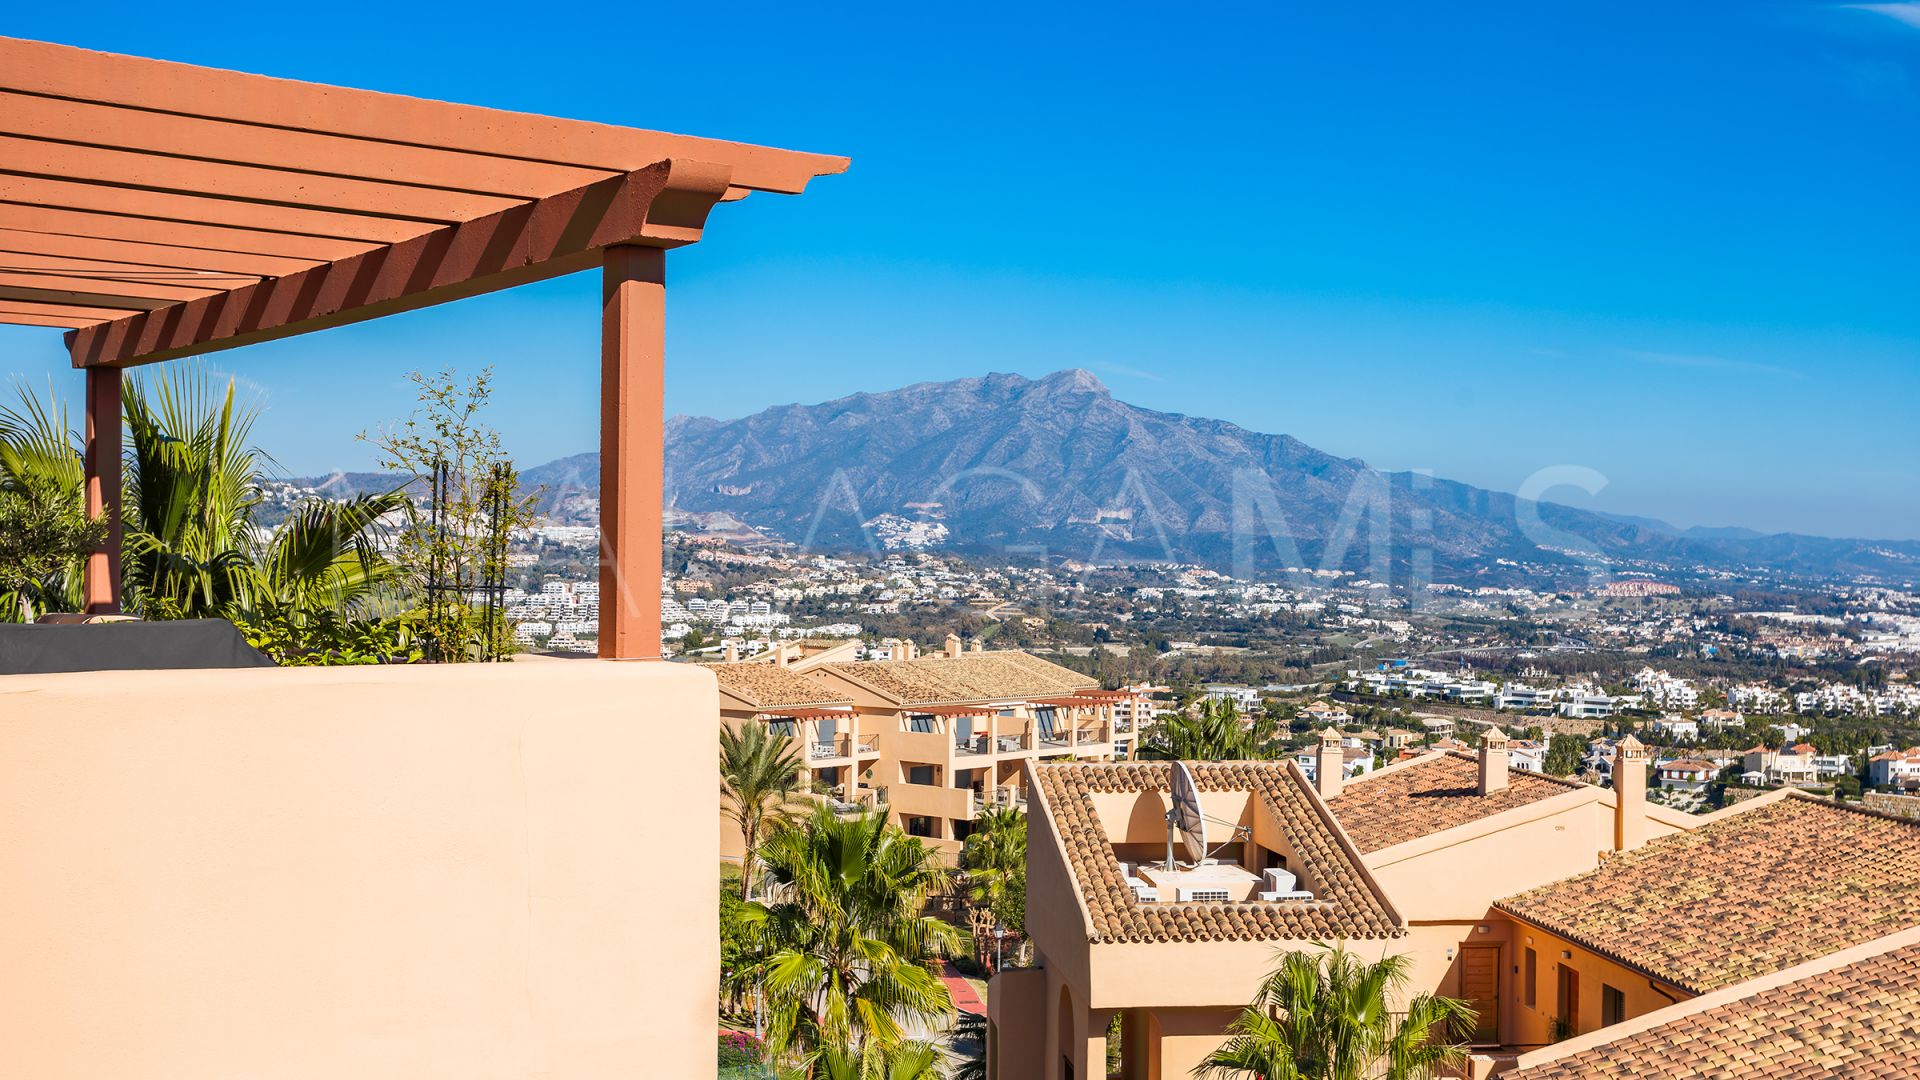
(1144, 893)
(1276, 897)
(1202, 896)
(1279, 880)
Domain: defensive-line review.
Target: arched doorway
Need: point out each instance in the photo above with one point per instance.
(1066, 1036)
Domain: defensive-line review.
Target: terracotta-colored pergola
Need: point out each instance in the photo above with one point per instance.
(159, 210)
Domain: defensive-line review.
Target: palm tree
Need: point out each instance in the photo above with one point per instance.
(759, 785)
(44, 530)
(191, 488)
(910, 1060)
(1328, 1016)
(852, 954)
(995, 862)
(1215, 733)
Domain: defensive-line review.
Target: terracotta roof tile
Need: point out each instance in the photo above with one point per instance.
(769, 686)
(1440, 793)
(984, 676)
(1862, 1020)
(1751, 894)
(1347, 908)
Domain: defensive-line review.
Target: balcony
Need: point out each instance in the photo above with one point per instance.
(973, 746)
(841, 747)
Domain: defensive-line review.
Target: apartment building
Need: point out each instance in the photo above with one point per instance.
(1575, 919)
(931, 739)
(955, 730)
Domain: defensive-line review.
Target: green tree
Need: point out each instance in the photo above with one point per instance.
(1328, 1015)
(852, 954)
(994, 862)
(1214, 732)
(45, 533)
(1564, 753)
(455, 547)
(759, 785)
(908, 1060)
(191, 487)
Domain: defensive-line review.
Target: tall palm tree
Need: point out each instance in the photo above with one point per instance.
(192, 484)
(995, 854)
(44, 531)
(851, 966)
(995, 863)
(1328, 1016)
(1215, 733)
(759, 785)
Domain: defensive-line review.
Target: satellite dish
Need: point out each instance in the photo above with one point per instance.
(1185, 815)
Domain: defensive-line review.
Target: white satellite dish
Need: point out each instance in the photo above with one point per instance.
(1185, 817)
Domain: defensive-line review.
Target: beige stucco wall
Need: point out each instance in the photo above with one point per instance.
(369, 872)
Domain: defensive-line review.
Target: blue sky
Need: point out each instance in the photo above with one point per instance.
(1671, 242)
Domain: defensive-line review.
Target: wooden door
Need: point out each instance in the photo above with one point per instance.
(1569, 1011)
(1480, 987)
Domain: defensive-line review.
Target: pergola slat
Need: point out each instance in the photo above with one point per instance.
(661, 206)
(83, 75)
(144, 130)
(28, 318)
(75, 311)
(14, 290)
(214, 239)
(103, 198)
(104, 270)
(119, 251)
(188, 176)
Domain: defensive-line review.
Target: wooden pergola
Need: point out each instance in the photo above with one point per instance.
(158, 210)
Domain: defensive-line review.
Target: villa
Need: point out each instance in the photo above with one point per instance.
(1574, 919)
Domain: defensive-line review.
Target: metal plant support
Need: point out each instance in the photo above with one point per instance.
(451, 585)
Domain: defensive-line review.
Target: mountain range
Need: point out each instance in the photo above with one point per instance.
(1059, 467)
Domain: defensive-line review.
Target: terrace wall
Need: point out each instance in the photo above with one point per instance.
(474, 872)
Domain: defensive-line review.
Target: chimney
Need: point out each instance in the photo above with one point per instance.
(1493, 760)
(780, 654)
(953, 644)
(978, 646)
(730, 651)
(1329, 762)
(1629, 794)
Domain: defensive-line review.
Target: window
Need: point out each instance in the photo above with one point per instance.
(1613, 1005)
(780, 727)
(920, 722)
(920, 774)
(1532, 979)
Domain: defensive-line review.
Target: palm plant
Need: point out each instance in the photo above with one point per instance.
(759, 786)
(1328, 1016)
(995, 863)
(45, 533)
(192, 484)
(1215, 733)
(852, 954)
(910, 1060)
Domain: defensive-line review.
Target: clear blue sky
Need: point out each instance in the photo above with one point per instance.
(1676, 243)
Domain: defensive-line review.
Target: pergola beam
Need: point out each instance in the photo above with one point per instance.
(56, 71)
(662, 205)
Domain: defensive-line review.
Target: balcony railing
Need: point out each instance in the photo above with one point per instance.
(973, 745)
(840, 746)
(1090, 735)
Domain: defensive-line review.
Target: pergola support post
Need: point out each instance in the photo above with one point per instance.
(632, 450)
(100, 587)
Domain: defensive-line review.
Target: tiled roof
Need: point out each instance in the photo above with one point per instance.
(1753, 893)
(769, 686)
(1861, 1020)
(983, 676)
(1347, 907)
(1411, 801)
